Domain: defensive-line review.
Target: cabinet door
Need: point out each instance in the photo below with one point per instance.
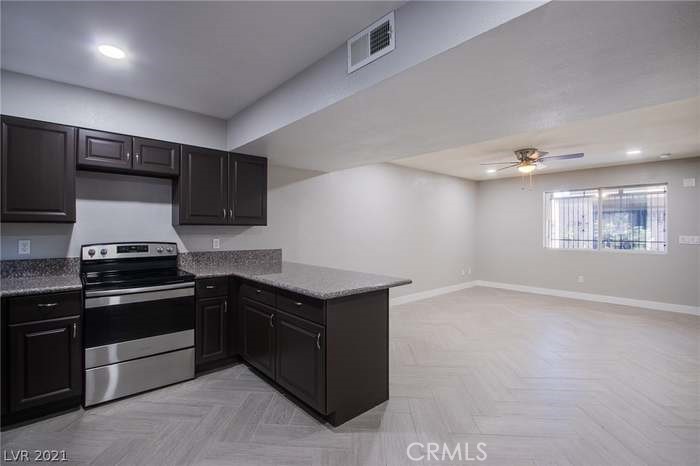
(38, 171)
(156, 157)
(212, 330)
(104, 151)
(301, 362)
(248, 190)
(258, 336)
(202, 192)
(44, 362)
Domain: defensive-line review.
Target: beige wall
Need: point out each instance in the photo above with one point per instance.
(510, 228)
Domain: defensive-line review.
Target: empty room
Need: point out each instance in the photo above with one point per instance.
(287, 233)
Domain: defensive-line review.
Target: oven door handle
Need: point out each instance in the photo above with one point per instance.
(144, 289)
(116, 300)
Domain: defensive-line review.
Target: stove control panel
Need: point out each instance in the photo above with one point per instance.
(92, 252)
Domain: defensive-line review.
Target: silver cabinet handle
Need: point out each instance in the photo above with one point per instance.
(136, 156)
(318, 340)
(43, 305)
(298, 304)
(230, 213)
(75, 330)
(210, 287)
(225, 306)
(224, 210)
(258, 291)
(128, 156)
(272, 316)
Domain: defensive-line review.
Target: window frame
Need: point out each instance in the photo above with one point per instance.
(600, 223)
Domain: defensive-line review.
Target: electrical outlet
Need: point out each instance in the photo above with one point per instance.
(216, 243)
(688, 182)
(686, 239)
(580, 279)
(24, 247)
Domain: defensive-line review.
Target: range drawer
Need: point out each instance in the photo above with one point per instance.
(302, 306)
(43, 306)
(258, 293)
(210, 287)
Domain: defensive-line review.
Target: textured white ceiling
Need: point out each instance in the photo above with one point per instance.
(562, 63)
(668, 128)
(213, 58)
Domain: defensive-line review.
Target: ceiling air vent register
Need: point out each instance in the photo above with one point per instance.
(371, 43)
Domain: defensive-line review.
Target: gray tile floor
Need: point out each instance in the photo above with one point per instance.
(540, 380)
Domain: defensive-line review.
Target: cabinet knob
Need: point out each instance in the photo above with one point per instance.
(136, 156)
(75, 330)
(230, 213)
(224, 211)
(210, 287)
(128, 156)
(298, 304)
(318, 340)
(258, 291)
(225, 306)
(272, 316)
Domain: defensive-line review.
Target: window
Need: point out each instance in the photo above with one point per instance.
(629, 218)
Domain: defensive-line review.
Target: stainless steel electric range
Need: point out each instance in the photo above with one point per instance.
(139, 319)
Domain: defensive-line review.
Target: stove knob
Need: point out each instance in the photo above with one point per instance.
(91, 252)
(159, 250)
(103, 251)
(169, 249)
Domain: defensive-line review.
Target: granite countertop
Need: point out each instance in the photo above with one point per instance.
(309, 280)
(25, 277)
(37, 276)
(39, 285)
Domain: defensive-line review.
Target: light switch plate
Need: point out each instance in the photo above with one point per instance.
(688, 182)
(216, 243)
(24, 247)
(688, 239)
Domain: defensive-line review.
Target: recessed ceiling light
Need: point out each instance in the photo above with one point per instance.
(491, 170)
(665, 156)
(634, 152)
(111, 51)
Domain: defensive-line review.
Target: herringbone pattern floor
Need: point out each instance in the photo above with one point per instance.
(540, 380)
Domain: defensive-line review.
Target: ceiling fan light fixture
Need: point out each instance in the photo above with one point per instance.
(526, 168)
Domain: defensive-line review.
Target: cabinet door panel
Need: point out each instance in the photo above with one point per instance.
(44, 362)
(258, 336)
(156, 157)
(212, 331)
(104, 151)
(301, 367)
(248, 196)
(38, 171)
(202, 195)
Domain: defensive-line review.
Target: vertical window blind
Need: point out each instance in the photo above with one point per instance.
(620, 218)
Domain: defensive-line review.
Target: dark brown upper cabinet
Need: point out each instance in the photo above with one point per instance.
(248, 189)
(104, 151)
(217, 188)
(156, 157)
(200, 197)
(38, 171)
(111, 152)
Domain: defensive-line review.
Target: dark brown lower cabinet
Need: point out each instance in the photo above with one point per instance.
(301, 362)
(259, 336)
(44, 362)
(211, 339)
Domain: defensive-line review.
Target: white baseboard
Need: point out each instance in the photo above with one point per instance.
(658, 306)
(409, 298)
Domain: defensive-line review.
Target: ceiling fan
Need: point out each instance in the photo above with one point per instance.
(531, 158)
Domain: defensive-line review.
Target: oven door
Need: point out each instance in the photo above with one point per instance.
(116, 316)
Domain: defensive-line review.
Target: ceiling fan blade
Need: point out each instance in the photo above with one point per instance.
(496, 163)
(563, 157)
(509, 166)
